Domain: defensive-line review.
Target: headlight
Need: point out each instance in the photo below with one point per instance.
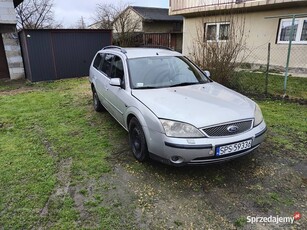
(179, 129)
(258, 116)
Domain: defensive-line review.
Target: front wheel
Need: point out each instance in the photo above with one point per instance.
(137, 140)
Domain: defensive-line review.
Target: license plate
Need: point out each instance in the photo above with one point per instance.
(232, 148)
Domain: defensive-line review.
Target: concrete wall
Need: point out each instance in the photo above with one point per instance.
(258, 32)
(13, 55)
(7, 12)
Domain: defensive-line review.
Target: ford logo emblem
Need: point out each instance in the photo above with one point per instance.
(232, 128)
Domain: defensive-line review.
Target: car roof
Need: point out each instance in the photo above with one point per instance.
(143, 52)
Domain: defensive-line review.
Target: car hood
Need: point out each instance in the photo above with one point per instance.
(200, 105)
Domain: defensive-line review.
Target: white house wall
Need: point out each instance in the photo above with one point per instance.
(133, 17)
(258, 32)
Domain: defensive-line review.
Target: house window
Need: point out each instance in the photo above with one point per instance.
(299, 32)
(217, 31)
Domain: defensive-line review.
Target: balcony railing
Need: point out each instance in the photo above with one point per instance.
(190, 4)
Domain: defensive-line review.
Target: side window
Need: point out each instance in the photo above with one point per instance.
(107, 63)
(117, 68)
(97, 61)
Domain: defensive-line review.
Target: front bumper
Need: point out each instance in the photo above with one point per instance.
(181, 151)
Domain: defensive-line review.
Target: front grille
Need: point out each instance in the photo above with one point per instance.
(221, 130)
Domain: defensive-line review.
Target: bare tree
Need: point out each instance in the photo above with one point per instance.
(105, 15)
(36, 14)
(122, 19)
(80, 24)
(221, 53)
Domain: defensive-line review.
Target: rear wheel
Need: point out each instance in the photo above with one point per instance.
(137, 140)
(96, 102)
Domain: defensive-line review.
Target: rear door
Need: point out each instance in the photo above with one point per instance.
(117, 96)
(95, 74)
(104, 79)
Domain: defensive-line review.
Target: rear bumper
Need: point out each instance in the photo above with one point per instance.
(197, 151)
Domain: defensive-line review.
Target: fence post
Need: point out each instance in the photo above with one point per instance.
(289, 53)
(267, 69)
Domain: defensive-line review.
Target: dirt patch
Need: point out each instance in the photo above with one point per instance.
(18, 91)
(156, 196)
(63, 182)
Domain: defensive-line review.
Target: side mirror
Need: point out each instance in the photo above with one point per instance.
(207, 73)
(115, 82)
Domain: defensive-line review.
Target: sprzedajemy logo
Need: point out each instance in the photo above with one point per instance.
(274, 219)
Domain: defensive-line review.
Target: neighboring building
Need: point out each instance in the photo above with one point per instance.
(263, 22)
(153, 25)
(11, 64)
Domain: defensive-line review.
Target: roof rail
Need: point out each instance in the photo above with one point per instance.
(115, 47)
(157, 46)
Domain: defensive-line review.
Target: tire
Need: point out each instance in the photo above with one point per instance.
(137, 140)
(96, 102)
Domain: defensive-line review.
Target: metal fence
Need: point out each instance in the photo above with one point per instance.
(264, 71)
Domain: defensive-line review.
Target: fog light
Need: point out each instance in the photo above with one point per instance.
(176, 159)
(211, 152)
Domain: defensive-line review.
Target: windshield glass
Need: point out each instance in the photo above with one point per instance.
(157, 72)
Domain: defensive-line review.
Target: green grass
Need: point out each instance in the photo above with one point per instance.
(50, 139)
(287, 124)
(254, 83)
(240, 222)
(38, 130)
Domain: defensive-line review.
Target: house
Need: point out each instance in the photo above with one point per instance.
(258, 21)
(152, 26)
(11, 64)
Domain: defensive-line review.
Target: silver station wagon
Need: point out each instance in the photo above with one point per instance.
(172, 110)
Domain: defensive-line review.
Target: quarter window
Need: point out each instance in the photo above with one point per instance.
(217, 31)
(299, 32)
(97, 61)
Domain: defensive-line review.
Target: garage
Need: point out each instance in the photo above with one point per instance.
(60, 53)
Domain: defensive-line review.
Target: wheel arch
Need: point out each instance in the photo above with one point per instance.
(134, 112)
(92, 86)
(129, 117)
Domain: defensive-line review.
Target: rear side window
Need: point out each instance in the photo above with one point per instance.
(107, 64)
(117, 68)
(97, 61)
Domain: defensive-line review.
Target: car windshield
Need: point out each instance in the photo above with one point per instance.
(158, 72)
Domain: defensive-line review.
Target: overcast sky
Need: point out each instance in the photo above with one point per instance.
(68, 12)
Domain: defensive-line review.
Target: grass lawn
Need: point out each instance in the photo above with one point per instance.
(62, 165)
(254, 83)
(40, 130)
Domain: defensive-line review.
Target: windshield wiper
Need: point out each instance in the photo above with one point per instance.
(184, 84)
(146, 87)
